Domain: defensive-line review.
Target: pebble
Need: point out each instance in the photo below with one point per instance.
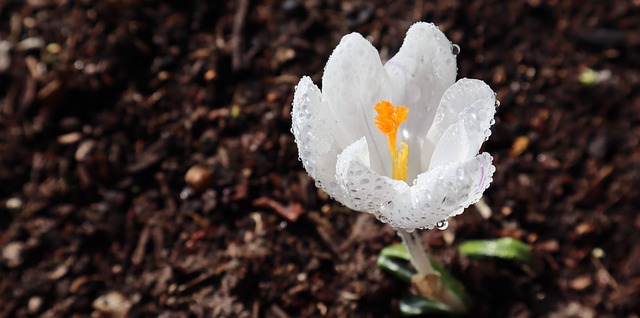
(34, 305)
(12, 254)
(13, 203)
(114, 304)
(199, 177)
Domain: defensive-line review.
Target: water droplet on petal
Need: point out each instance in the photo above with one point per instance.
(389, 205)
(455, 49)
(442, 225)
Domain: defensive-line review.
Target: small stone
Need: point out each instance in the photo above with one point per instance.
(34, 305)
(198, 177)
(13, 203)
(12, 254)
(114, 304)
(210, 75)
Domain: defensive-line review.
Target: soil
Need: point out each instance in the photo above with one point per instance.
(147, 168)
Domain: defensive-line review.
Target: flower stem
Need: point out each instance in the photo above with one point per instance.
(419, 257)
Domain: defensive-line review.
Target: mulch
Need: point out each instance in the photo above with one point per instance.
(147, 167)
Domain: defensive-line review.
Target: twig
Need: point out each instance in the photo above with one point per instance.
(483, 208)
(238, 26)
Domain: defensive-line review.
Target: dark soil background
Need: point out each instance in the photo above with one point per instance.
(146, 160)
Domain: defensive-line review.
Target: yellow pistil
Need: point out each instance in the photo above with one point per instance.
(388, 120)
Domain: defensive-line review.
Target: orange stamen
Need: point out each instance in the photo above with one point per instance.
(388, 121)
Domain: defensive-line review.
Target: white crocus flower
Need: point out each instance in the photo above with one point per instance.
(351, 152)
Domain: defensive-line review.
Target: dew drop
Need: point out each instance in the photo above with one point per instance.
(186, 193)
(455, 49)
(442, 225)
(497, 103)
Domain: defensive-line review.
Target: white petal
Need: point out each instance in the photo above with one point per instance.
(420, 73)
(366, 191)
(443, 191)
(454, 107)
(462, 140)
(314, 130)
(453, 145)
(353, 82)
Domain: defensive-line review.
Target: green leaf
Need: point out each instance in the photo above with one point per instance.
(395, 259)
(397, 251)
(503, 248)
(416, 305)
(397, 267)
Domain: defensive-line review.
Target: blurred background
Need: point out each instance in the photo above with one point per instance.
(147, 168)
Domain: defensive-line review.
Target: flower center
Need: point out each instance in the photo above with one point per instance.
(388, 120)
